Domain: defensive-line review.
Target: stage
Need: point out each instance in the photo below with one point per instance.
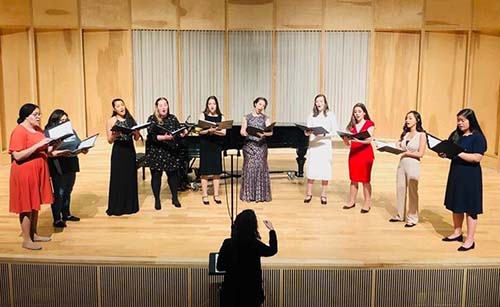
(308, 234)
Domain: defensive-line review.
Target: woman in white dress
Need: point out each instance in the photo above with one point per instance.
(319, 154)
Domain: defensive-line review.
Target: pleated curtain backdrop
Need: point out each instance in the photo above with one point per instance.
(250, 70)
(298, 74)
(346, 72)
(202, 70)
(155, 70)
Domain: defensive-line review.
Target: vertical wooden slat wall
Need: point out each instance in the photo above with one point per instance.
(420, 33)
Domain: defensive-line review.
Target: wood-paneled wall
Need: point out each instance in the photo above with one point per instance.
(435, 56)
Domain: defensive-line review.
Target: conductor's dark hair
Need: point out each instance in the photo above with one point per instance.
(245, 226)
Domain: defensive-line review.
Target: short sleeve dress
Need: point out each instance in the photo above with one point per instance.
(29, 179)
(464, 189)
(361, 157)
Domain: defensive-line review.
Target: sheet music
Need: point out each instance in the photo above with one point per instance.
(87, 143)
(432, 141)
(61, 130)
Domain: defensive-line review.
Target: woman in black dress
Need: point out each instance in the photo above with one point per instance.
(123, 193)
(211, 149)
(162, 153)
(63, 169)
(239, 257)
(464, 189)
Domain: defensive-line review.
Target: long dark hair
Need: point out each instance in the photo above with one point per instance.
(352, 123)
(217, 109)
(473, 126)
(418, 118)
(54, 118)
(315, 109)
(245, 226)
(157, 114)
(26, 111)
(129, 119)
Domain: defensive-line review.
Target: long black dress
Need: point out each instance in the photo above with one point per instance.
(123, 192)
(464, 189)
(211, 150)
(243, 278)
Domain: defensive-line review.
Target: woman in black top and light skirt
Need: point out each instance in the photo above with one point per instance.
(211, 149)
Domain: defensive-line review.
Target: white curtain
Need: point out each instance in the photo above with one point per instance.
(202, 70)
(346, 72)
(298, 72)
(250, 70)
(155, 70)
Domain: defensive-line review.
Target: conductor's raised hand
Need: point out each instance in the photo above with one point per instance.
(268, 224)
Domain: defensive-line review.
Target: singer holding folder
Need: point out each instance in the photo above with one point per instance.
(319, 154)
(123, 192)
(211, 149)
(412, 140)
(464, 189)
(29, 183)
(360, 156)
(63, 169)
(162, 150)
(255, 182)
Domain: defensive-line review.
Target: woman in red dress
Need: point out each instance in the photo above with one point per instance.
(29, 173)
(360, 156)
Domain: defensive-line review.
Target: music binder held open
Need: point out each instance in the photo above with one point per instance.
(360, 136)
(125, 130)
(60, 132)
(85, 144)
(205, 124)
(314, 130)
(387, 147)
(254, 131)
(447, 147)
(162, 130)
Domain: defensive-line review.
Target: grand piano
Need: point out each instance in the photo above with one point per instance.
(285, 135)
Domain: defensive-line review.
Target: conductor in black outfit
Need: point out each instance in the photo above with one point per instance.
(239, 257)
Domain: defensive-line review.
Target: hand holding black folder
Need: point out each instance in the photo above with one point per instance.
(255, 131)
(160, 130)
(204, 124)
(363, 135)
(126, 130)
(386, 147)
(314, 130)
(446, 147)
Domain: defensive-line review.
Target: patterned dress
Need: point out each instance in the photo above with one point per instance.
(255, 183)
(162, 155)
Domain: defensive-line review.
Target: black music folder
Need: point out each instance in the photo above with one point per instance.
(315, 130)
(60, 132)
(360, 136)
(253, 130)
(125, 130)
(212, 264)
(162, 130)
(85, 144)
(447, 147)
(386, 147)
(205, 124)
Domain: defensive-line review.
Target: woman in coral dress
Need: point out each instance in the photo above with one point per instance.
(360, 156)
(29, 173)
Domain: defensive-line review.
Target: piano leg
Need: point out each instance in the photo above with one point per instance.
(301, 160)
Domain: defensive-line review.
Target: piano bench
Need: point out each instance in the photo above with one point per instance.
(140, 159)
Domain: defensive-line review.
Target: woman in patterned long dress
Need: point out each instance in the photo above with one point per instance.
(29, 183)
(211, 150)
(255, 183)
(162, 153)
(123, 191)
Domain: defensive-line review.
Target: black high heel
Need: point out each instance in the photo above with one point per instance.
(365, 210)
(217, 200)
(323, 200)
(176, 203)
(308, 199)
(205, 201)
(349, 207)
(464, 249)
(460, 238)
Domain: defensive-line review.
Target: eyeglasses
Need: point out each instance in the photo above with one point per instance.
(36, 114)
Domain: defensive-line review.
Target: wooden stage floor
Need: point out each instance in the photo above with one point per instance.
(308, 234)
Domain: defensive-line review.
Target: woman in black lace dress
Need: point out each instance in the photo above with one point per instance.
(162, 153)
(123, 192)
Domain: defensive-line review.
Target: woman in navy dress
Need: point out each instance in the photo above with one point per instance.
(464, 189)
